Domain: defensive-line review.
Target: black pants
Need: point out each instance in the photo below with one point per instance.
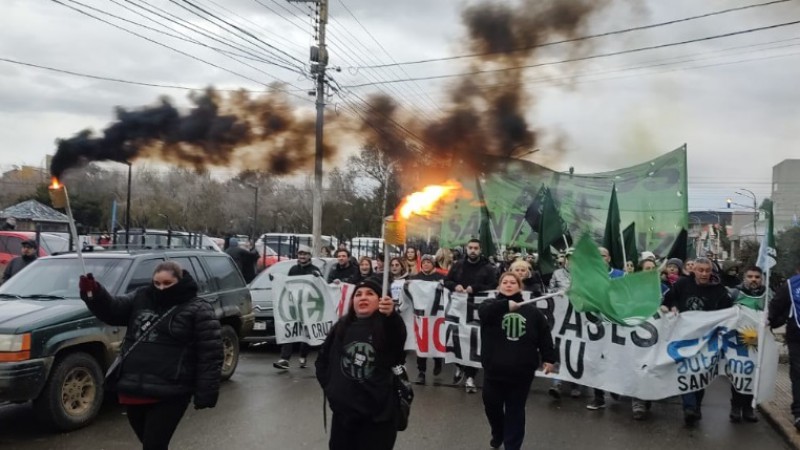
(422, 364)
(361, 434)
(287, 349)
(504, 404)
(470, 372)
(741, 400)
(154, 424)
(794, 374)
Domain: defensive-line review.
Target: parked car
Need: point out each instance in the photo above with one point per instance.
(285, 244)
(11, 244)
(261, 292)
(267, 258)
(54, 352)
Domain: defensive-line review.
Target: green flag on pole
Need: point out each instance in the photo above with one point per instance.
(552, 231)
(631, 251)
(612, 238)
(485, 229)
(767, 253)
(628, 300)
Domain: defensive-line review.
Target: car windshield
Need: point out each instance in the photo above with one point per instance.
(58, 277)
(54, 244)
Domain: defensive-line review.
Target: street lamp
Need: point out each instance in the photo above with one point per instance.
(752, 195)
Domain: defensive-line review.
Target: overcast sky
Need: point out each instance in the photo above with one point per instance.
(734, 101)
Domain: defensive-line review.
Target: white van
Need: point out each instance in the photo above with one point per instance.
(285, 244)
(370, 246)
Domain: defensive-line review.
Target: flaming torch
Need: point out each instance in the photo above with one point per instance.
(419, 203)
(60, 199)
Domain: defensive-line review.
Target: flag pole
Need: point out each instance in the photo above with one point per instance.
(762, 329)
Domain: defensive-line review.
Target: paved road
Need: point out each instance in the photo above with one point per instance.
(260, 408)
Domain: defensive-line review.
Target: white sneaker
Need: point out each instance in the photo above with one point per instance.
(302, 362)
(470, 386)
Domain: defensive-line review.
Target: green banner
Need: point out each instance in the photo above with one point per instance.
(652, 194)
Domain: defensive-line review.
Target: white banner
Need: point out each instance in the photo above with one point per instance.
(665, 356)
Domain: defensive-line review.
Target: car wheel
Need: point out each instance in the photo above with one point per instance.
(230, 345)
(73, 394)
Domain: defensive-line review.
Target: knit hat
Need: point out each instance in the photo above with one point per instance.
(676, 262)
(369, 283)
(427, 258)
(233, 242)
(648, 255)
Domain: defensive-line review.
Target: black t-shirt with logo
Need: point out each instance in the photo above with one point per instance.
(687, 295)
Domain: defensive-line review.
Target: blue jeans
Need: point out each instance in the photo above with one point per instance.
(693, 400)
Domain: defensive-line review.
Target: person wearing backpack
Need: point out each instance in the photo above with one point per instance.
(171, 355)
(355, 370)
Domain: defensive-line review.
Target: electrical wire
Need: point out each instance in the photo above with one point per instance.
(581, 38)
(589, 57)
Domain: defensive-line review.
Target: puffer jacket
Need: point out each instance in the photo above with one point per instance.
(560, 281)
(181, 356)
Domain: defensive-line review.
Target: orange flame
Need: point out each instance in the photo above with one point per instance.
(423, 202)
(55, 184)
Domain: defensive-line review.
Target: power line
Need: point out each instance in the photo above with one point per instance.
(581, 38)
(171, 48)
(301, 28)
(260, 27)
(137, 83)
(419, 88)
(586, 58)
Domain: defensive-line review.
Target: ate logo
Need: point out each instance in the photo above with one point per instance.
(514, 326)
(358, 361)
(301, 300)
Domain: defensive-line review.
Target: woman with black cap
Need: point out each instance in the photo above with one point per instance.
(355, 370)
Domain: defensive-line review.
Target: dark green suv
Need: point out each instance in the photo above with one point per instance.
(55, 352)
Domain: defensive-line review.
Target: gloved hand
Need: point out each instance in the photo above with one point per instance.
(87, 284)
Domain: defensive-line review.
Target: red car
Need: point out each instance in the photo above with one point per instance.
(268, 258)
(11, 244)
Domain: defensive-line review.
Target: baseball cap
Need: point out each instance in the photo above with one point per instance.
(29, 243)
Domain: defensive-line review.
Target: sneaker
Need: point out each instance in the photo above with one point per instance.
(597, 403)
(458, 376)
(749, 415)
(302, 362)
(495, 443)
(690, 416)
(420, 378)
(554, 392)
(735, 414)
(470, 386)
(281, 364)
(575, 393)
(797, 423)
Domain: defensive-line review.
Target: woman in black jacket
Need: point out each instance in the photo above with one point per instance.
(514, 341)
(172, 350)
(355, 369)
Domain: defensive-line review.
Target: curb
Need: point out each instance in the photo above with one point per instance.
(781, 424)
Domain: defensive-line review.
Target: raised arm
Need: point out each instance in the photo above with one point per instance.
(112, 310)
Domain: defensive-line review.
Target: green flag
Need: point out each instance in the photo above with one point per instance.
(552, 231)
(627, 300)
(629, 236)
(485, 229)
(612, 238)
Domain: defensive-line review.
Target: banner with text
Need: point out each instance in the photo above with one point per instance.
(305, 307)
(662, 357)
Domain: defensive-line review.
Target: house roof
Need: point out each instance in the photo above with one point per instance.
(33, 211)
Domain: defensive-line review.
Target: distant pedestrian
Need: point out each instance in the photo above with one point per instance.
(427, 273)
(245, 259)
(29, 251)
(304, 266)
(515, 340)
(412, 260)
(364, 270)
(345, 271)
(444, 259)
(785, 309)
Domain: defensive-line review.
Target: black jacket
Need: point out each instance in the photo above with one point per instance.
(687, 295)
(355, 371)
(181, 356)
(15, 265)
(308, 269)
(344, 274)
(479, 274)
(246, 260)
(513, 344)
(533, 284)
(780, 308)
(433, 276)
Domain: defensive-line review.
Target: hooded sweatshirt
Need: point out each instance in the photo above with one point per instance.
(513, 344)
(687, 295)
